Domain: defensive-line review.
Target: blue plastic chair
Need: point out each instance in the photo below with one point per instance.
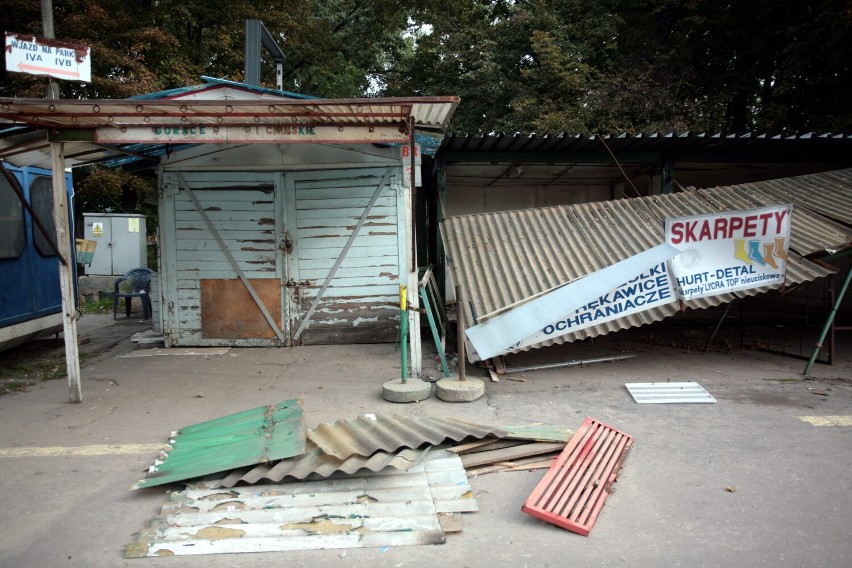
(140, 280)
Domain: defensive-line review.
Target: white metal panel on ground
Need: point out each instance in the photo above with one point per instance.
(382, 509)
(667, 393)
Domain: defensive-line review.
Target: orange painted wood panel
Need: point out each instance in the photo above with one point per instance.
(229, 312)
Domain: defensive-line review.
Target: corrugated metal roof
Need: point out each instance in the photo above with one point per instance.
(368, 434)
(680, 144)
(507, 257)
(245, 438)
(83, 114)
(315, 461)
(24, 123)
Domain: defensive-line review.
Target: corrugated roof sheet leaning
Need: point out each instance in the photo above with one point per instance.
(507, 257)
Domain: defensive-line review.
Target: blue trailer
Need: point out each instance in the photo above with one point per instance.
(30, 295)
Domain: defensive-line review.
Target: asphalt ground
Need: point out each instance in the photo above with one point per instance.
(748, 481)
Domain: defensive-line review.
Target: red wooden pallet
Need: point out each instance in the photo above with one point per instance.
(574, 489)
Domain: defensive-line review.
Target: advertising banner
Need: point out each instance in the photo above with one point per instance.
(504, 331)
(650, 289)
(729, 251)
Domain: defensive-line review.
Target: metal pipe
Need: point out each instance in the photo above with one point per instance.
(575, 363)
(828, 323)
(718, 325)
(460, 327)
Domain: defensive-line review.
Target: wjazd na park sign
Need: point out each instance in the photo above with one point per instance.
(40, 56)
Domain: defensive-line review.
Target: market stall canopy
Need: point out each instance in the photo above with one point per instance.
(99, 130)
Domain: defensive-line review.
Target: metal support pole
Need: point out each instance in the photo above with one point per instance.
(252, 52)
(575, 363)
(828, 323)
(460, 328)
(47, 31)
(66, 274)
(718, 325)
(403, 331)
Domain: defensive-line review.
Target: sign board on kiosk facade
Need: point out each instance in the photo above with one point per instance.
(729, 251)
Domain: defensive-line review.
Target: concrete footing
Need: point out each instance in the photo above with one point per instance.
(411, 390)
(454, 390)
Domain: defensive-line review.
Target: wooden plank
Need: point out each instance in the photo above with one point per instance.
(356, 252)
(485, 445)
(335, 189)
(536, 462)
(524, 450)
(312, 217)
(362, 291)
(378, 226)
(539, 432)
(349, 177)
(255, 217)
(361, 241)
(342, 203)
(259, 269)
(462, 448)
(381, 332)
(227, 310)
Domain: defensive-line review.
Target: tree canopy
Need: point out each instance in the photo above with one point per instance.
(543, 66)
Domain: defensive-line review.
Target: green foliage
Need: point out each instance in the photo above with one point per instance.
(518, 65)
(108, 190)
(101, 306)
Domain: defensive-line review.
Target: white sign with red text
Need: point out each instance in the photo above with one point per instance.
(41, 56)
(406, 166)
(729, 251)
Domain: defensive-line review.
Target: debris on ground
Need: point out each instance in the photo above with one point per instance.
(573, 491)
(373, 481)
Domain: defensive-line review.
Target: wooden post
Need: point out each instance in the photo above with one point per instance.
(460, 328)
(414, 344)
(66, 271)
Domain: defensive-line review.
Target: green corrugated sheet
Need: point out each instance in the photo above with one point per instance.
(255, 436)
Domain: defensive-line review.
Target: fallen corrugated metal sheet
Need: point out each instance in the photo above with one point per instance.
(386, 509)
(504, 258)
(370, 433)
(315, 461)
(254, 436)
